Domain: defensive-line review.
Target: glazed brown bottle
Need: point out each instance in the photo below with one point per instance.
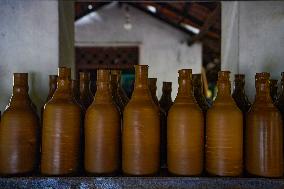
(141, 129)
(61, 130)
(19, 131)
(166, 99)
(185, 130)
(224, 132)
(86, 95)
(152, 83)
(239, 94)
(264, 133)
(273, 89)
(119, 95)
(280, 99)
(52, 86)
(102, 130)
(198, 93)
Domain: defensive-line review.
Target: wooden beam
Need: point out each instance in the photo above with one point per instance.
(211, 20)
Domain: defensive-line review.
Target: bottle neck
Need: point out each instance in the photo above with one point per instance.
(239, 87)
(84, 86)
(63, 88)
(263, 92)
(224, 89)
(185, 89)
(103, 93)
(167, 95)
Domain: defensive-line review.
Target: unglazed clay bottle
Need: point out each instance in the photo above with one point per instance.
(19, 131)
(224, 132)
(198, 93)
(264, 133)
(239, 94)
(61, 130)
(119, 95)
(86, 95)
(185, 130)
(152, 83)
(280, 99)
(273, 89)
(166, 99)
(141, 129)
(102, 130)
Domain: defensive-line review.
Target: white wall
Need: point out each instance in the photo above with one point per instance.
(28, 43)
(259, 44)
(162, 47)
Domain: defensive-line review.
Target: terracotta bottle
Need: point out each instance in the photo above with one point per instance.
(102, 130)
(239, 94)
(273, 89)
(19, 147)
(185, 130)
(52, 86)
(86, 95)
(264, 133)
(119, 95)
(61, 130)
(152, 83)
(166, 99)
(141, 129)
(76, 93)
(198, 93)
(280, 99)
(224, 132)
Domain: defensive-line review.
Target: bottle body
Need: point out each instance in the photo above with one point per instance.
(224, 133)
(102, 130)
(185, 131)
(19, 132)
(141, 130)
(264, 133)
(61, 130)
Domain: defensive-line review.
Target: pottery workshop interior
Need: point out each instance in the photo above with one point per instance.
(141, 94)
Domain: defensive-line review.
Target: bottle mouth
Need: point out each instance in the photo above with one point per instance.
(64, 72)
(21, 79)
(185, 73)
(103, 75)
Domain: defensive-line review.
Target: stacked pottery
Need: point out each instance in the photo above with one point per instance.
(166, 99)
(185, 130)
(102, 130)
(224, 132)
(19, 132)
(198, 93)
(119, 95)
(264, 133)
(141, 129)
(152, 83)
(239, 94)
(273, 89)
(61, 130)
(86, 96)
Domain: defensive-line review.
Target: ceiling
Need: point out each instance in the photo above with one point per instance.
(203, 16)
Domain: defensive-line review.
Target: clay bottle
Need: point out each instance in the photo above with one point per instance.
(198, 93)
(119, 95)
(152, 83)
(264, 133)
(273, 89)
(52, 86)
(19, 147)
(102, 130)
(166, 99)
(224, 132)
(61, 130)
(86, 95)
(185, 130)
(141, 129)
(76, 93)
(280, 99)
(239, 95)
